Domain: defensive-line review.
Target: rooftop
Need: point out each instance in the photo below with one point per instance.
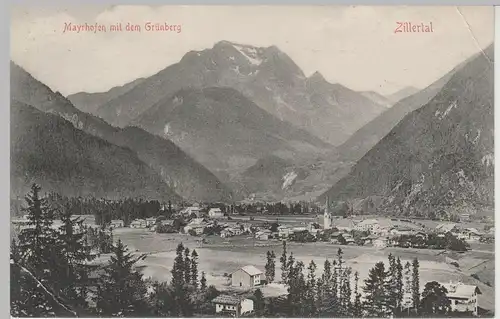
(251, 270)
(227, 300)
(460, 290)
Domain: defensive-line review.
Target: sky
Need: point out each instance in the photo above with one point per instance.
(355, 46)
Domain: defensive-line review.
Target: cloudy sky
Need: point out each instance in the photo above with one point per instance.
(352, 45)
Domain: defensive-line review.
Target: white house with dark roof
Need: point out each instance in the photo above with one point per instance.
(464, 298)
(232, 305)
(215, 213)
(248, 276)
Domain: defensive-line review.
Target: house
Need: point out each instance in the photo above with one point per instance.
(232, 305)
(446, 227)
(215, 213)
(380, 243)
(117, 223)
(138, 223)
(167, 222)
(400, 231)
(369, 225)
(464, 298)
(464, 217)
(188, 211)
(236, 230)
(150, 222)
(368, 240)
(225, 233)
(199, 229)
(263, 234)
(248, 276)
(470, 235)
(284, 231)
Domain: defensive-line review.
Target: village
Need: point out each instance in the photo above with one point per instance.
(204, 225)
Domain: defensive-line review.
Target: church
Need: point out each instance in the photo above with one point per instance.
(326, 220)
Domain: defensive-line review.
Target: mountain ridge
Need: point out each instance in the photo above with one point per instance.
(178, 170)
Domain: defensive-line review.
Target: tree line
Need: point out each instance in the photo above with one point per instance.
(392, 290)
(56, 272)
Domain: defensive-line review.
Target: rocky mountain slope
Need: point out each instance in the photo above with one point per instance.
(401, 94)
(90, 102)
(50, 151)
(267, 76)
(179, 171)
(440, 157)
(378, 98)
(366, 137)
(224, 130)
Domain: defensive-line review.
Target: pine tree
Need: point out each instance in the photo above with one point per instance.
(121, 291)
(407, 287)
(342, 298)
(391, 284)
(334, 302)
(259, 302)
(311, 285)
(415, 285)
(74, 253)
(203, 282)
(326, 291)
(357, 306)
(194, 269)
(267, 267)
(290, 264)
(273, 266)
(284, 264)
(375, 293)
(187, 266)
(296, 289)
(345, 292)
(179, 286)
(399, 285)
(38, 253)
(161, 300)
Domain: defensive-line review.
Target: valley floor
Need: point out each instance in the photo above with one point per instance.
(219, 257)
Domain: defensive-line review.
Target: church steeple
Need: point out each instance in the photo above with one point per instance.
(327, 218)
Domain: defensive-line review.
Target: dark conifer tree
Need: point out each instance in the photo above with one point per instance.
(357, 306)
(74, 255)
(121, 292)
(187, 266)
(194, 269)
(284, 264)
(375, 292)
(203, 282)
(38, 252)
(415, 285)
(272, 271)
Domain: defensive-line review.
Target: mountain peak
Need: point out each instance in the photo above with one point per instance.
(317, 76)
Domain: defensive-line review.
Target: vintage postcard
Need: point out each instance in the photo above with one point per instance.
(252, 161)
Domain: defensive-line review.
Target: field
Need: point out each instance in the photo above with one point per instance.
(219, 257)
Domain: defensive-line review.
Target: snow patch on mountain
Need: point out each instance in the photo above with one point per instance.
(250, 53)
(288, 179)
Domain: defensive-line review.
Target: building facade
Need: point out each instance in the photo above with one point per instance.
(248, 276)
(232, 305)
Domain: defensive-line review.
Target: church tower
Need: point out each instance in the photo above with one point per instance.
(327, 217)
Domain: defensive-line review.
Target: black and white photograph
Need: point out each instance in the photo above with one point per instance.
(252, 161)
